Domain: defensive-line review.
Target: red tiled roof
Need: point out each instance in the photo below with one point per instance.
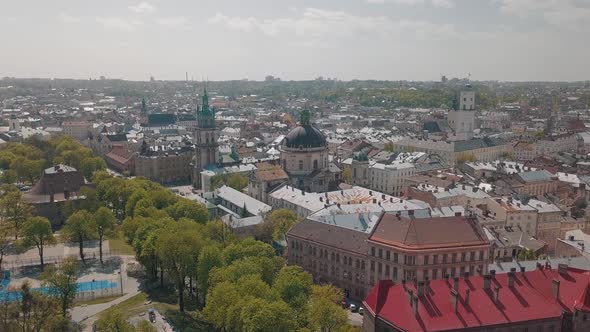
(530, 299)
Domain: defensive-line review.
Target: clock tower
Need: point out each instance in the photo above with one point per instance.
(205, 138)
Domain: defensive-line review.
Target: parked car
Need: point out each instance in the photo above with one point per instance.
(353, 307)
(361, 311)
(152, 315)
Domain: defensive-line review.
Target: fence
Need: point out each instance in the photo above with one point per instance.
(88, 290)
(12, 264)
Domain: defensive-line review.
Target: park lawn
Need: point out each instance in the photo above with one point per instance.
(118, 245)
(98, 300)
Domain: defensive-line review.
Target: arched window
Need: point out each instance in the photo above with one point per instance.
(315, 164)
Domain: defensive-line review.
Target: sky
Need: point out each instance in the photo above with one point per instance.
(507, 40)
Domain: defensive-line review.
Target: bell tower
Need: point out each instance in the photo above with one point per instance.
(205, 138)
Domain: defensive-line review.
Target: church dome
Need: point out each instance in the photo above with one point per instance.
(306, 136)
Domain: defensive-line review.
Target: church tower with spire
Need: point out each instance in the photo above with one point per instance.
(205, 138)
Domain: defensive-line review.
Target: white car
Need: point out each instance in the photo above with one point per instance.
(353, 307)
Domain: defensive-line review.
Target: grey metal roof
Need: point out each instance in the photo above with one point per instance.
(535, 176)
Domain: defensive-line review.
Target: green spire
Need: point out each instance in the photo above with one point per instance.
(143, 106)
(205, 107)
(305, 118)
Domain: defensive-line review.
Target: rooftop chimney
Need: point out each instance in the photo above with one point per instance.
(510, 279)
(562, 268)
(454, 299)
(493, 274)
(555, 288)
(370, 193)
(456, 283)
(496, 294)
(415, 305)
(539, 266)
(321, 199)
(427, 285)
(420, 288)
(522, 269)
(487, 279)
(467, 296)
(374, 201)
(383, 196)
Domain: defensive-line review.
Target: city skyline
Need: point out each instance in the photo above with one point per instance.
(506, 40)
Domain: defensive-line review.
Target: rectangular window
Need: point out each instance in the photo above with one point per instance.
(435, 259)
(387, 255)
(395, 257)
(481, 255)
(387, 270)
(395, 273)
(472, 256)
(454, 258)
(380, 253)
(373, 266)
(425, 259)
(444, 258)
(373, 251)
(379, 267)
(434, 274)
(462, 257)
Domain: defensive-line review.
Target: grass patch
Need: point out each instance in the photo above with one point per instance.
(132, 306)
(165, 302)
(97, 301)
(118, 244)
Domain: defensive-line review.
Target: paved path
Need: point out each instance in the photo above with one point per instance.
(88, 314)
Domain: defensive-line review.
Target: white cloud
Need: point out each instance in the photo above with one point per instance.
(172, 22)
(142, 7)
(443, 3)
(121, 23)
(399, 2)
(573, 14)
(67, 18)
(314, 22)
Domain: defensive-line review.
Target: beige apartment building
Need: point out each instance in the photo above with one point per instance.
(354, 251)
(79, 130)
(165, 166)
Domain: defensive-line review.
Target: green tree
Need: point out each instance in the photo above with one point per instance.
(209, 258)
(37, 231)
(526, 255)
(79, 228)
(104, 224)
(185, 208)
(247, 248)
(15, 211)
(219, 302)
(235, 181)
(5, 232)
(9, 176)
(113, 321)
(61, 281)
(89, 165)
(328, 292)
(178, 247)
(293, 285)
(325, 316)
(266, 316)
(281, 220)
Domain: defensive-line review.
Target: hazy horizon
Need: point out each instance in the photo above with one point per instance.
(222, 40)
